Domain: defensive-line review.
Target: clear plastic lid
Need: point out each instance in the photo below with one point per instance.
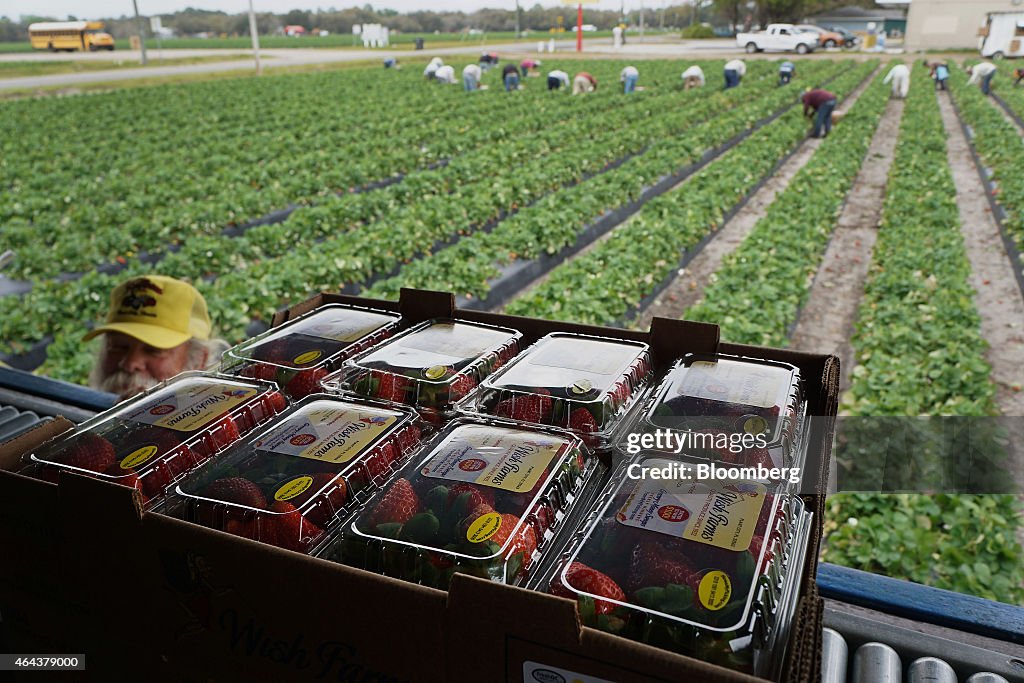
(150, 441)
(697, 567)
(430, 366)
(483, 498)
(740, 411)
(580, 383)
(301, 353)
(290, 483)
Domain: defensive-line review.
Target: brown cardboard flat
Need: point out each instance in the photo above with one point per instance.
(192, 603)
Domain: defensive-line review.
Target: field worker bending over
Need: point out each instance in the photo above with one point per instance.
(693, 77)
(940, 72)
(583, 83)
(823, 103)
(435, 64)
(629, 76)
(156, 328)
(900, 77)
(446, 75)
(982, 75)
(557, 79)
(471, 77)
(391, 63)
(529, 67)
(510, 77)
(735, 70)
(786, 72)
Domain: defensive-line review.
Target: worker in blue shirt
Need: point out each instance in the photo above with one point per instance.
(786, 72)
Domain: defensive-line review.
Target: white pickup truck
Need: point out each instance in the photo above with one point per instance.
(779, 37)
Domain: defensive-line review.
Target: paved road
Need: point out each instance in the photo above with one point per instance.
(651, 48)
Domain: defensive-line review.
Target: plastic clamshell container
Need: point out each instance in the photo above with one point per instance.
(155, 439)
(708, 569)
(290, 483)
(576, 382)
(725, 409)
(483, 498)
(430, 366)
(301, 353)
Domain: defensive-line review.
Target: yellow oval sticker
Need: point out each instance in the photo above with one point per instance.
(137, 457)
(755, 425)
(293, 487)
(307, 357)
(714, 590)
(483, 527)
(583, 386)
(435, 372)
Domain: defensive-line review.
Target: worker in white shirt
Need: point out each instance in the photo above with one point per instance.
(431, 70)
(900, 77)
(735, 70)
(471, 77)
(629, 77)
(982, 75)
(445, 74)
(557, 79)
(583, 83)
(693, 77)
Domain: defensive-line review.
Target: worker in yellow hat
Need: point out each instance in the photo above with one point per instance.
(156, 328)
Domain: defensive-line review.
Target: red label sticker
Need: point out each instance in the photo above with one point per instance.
(673, 513)
(302, 439)
(472, 465)
(161, 409)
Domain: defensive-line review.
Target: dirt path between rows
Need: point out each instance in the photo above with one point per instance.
(997, 296)
(688, 286)
(826, 322)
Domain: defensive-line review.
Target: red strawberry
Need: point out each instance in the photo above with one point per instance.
(306, 382)
(223, 432)
(319, 504)
(477, 496)
(126, 478)
(525, 408)
(287, 528)
(260, 371)
(399, 505)
(652, 566)
(275, 351)
(90, 452)
(246, 528)
(409, 438)
(580, 420)
(586, 579)
(277, 402)
(462, 385)
(392, 388)
(238, 490)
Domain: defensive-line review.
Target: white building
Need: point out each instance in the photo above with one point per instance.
(939, 24)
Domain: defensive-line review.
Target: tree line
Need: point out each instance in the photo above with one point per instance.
(725, 13)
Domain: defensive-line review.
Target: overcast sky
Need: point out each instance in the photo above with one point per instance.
(88, 9)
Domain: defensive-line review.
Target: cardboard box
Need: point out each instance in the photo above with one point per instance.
(88, 571)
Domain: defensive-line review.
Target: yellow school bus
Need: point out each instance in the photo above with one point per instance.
(70, 35)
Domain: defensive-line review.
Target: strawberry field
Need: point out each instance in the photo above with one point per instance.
(264, 191)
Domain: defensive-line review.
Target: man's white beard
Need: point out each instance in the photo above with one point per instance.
(126, 384)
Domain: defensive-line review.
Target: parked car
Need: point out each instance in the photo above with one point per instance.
(849, 37)
(826, 38)
(784, 37)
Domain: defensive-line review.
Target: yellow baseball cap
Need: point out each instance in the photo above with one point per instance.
(157, 310)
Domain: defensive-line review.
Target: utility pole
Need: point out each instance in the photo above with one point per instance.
(641, 19)
(517, 18)
(141, 29)
(255, 40)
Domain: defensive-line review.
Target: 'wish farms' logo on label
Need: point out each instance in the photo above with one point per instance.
(329, 660)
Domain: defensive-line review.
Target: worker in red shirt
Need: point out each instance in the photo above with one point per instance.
(823, 103)
(583, 83)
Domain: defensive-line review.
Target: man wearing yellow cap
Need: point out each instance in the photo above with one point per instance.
(156, 328)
